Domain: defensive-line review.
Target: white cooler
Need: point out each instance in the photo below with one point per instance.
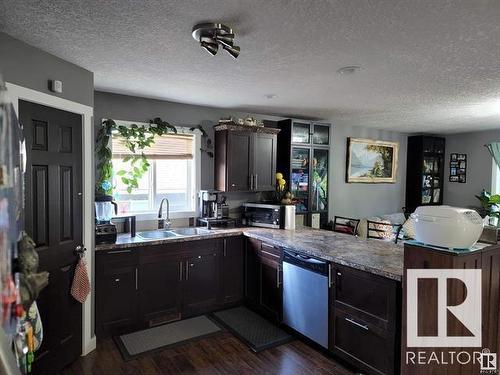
(446, 226)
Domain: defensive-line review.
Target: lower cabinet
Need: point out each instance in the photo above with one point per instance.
(152, 285)
(263, 279)
(365, 320)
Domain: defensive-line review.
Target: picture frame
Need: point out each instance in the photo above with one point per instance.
(371, 161)
(458, 168)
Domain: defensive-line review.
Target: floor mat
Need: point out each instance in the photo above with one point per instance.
(255, 331)
(137, 343)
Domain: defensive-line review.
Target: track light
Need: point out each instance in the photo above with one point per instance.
(225, 39)
(211, 48)
(234, 51)
(210, 35)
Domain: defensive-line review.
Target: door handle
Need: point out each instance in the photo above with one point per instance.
(80, 250)
(352, 321)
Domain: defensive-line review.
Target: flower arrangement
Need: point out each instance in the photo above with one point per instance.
(283, 196)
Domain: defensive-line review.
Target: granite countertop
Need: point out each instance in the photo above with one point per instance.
(374, 256)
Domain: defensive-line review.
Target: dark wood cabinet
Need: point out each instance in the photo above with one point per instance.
(303, 159)
(263, 279)
(201, 283)
(160, 285)
(424, 172)
(365, 320)
(232, 270)
(116, 291)
(245, 158)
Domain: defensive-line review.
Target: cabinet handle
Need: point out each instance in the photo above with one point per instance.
(233, 185)
(365, 327)
(329, 275)
(187, 271)
(224, 247)
(255, 183)
(119, 251)
(271, 254)
(251, 182)
(117, 280)
(180, 271)
(278, 282)
(136, 279)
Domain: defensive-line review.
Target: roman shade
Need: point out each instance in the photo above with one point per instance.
(170, 146)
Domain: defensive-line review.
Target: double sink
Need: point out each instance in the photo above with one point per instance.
(173, 233)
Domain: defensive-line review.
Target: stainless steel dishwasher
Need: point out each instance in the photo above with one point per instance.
(305, 296)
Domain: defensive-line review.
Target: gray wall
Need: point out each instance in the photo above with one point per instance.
(31, 67)
(478, 166)
(365, 200)
(357, 200)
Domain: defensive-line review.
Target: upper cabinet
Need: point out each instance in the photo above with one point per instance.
(303, 158)
(245, 158)
(425, 171)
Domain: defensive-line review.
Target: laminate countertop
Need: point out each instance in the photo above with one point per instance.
(375, 256)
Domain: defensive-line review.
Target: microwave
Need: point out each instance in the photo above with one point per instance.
(266, 215)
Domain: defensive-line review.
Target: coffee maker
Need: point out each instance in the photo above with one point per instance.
(105, 209)
(213, 210)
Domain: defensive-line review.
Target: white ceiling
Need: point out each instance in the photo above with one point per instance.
(428, 65)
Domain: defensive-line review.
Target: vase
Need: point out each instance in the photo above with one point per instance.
(493, 221)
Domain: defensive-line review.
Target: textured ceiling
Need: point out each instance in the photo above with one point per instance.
(428, 65)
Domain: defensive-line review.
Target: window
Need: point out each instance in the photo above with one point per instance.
(172, 174)
(495, 179)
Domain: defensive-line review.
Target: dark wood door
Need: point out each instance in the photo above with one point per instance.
(54, 221)
(116, 292)
(264, 161)
(238, 161)
(160, 291)
(270, 289)
(201, 283)
(232, 270)
(252, 271)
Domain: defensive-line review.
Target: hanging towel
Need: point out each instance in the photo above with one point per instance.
(80, 288)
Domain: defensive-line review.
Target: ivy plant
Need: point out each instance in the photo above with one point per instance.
(136, 138)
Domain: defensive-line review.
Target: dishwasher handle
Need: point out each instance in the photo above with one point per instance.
(303, 258)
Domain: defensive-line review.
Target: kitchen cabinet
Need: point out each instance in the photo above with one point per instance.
(303, 159)
(245, 158)
(152, 285)
(365, 320)
(232, 270)
(117, 295)
(263, 279)
(425, 172)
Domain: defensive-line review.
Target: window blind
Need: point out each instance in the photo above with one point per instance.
(170, 146)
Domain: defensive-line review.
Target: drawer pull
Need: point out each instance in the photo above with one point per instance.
(365, 327)
(271, 254)
(119, 251)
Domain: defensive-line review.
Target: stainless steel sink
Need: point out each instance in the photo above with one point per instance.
(157, 234)
(190, 231)
(173, 233)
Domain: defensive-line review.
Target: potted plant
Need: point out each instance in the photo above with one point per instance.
(490, 206)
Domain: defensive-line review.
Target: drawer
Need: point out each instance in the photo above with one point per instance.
(371, 294)
(270, 252)
(362, 344)
(116, 258)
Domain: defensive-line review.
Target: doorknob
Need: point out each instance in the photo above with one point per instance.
(80, 250)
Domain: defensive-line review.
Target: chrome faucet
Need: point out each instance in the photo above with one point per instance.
(164, 223)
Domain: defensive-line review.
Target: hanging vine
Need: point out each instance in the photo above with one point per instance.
(136, 138)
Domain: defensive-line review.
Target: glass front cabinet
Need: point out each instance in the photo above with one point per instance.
(303, 158)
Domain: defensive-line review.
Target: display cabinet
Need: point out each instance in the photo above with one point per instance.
(303, 159)
(424, 171)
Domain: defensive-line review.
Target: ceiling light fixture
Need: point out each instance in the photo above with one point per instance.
(210, 35)
(348, 70)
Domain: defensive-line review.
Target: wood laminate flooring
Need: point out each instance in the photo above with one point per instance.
(219, 354)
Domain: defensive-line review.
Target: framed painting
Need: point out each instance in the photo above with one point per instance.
(370, 161)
